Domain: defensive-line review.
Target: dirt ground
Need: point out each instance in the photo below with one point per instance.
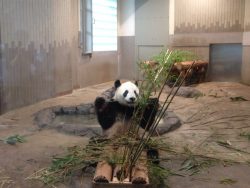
(208, 120)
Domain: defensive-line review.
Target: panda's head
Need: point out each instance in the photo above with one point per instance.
(126, 93)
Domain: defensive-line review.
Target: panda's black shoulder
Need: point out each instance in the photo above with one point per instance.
(106, 111)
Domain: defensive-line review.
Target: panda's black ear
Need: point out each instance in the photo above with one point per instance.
(117, 83)
(136, 82)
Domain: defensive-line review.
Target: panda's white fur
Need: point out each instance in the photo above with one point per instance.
(127, 94)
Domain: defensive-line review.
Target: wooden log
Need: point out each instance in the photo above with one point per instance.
(140, 171)
(181, 66)
(103, 173)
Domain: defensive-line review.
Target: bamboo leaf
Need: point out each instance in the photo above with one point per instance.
(228, 181)
(239, 98)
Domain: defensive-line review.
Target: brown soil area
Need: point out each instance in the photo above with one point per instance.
(207, 119)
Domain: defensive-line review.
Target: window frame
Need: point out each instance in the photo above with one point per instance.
(86, 27)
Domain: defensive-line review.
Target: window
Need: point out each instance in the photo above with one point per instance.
(98, 25)
(104, 25)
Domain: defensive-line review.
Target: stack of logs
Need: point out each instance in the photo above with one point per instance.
(196, 74)
(107, 176)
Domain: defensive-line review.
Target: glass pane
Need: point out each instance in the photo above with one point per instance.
(104, 25)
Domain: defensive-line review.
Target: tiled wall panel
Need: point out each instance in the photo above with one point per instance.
(37, 38)
(196, 16)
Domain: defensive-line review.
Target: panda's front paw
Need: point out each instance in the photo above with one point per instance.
(153, 156)
(99, 103)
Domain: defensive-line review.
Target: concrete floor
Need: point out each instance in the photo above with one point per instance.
(207, 120)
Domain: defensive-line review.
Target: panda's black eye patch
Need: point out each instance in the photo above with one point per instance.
(125, 93)
(136, 94)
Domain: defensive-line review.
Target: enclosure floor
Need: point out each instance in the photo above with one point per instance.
(206, 120)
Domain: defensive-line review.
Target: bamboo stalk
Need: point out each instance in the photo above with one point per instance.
(163, 110)
(167, 77)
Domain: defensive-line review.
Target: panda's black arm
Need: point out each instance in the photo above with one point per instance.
(101, 104)
(149, 113)
(153, 101)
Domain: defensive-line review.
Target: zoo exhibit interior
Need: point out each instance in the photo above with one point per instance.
(124, 93)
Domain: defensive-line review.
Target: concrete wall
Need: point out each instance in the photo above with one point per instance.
(192, 25)
(126, 39)
(143, 32)
(1, 76)
(247, 16)
(197, 24)
(40, 57)
(200, 24)
(246, 46)
(101, 67)
(188, 25)
(152, 27)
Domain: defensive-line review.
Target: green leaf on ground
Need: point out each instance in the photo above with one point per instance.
(12, 140)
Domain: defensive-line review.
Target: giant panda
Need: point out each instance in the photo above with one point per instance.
(115, 115)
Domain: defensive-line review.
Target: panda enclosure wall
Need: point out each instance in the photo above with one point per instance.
(40, 56)
(40, 51)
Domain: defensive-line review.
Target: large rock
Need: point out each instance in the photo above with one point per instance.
(85, 109)
(169, 122)
(69, 110)
(44, 118)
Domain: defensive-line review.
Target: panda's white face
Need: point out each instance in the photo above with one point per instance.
(127, 94)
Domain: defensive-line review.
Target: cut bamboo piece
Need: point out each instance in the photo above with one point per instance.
(103, 173)
(140, 175)
(140, 171)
